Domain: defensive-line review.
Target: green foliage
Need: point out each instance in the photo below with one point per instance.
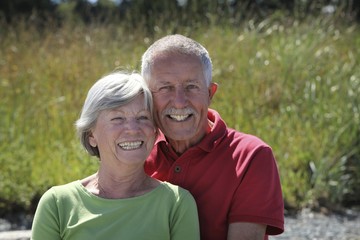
(297, 87)
(294, 84)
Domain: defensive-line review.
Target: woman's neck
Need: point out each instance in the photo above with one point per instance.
(107, 186)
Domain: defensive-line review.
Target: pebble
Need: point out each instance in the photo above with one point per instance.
(307, 225)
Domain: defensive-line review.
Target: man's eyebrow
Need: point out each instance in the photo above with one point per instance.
(192, 80)
(164, 82)
(158, 85)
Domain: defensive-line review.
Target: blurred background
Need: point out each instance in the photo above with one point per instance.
(288, 72)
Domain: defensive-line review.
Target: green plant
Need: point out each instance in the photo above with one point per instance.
(294, 84)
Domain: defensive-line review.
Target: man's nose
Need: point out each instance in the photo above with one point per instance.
(180, 98)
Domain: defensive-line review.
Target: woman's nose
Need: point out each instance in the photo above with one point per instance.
(132, 125)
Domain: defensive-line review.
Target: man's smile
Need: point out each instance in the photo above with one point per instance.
(179, 117)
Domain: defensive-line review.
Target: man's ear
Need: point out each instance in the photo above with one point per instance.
(212, 89)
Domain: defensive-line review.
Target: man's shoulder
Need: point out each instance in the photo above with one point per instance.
(234, 135)
(231, 133)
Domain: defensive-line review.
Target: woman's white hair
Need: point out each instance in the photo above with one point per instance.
(111, 91)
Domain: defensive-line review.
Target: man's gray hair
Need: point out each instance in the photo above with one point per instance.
(176, 44)
(110, 92)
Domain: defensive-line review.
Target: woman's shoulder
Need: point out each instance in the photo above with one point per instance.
(67, 186)
(63, 190)
(175, 190)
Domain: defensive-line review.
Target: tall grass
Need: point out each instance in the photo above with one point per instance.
(296, 85)
(298, 88)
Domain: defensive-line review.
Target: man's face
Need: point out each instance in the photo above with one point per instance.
(181, 97)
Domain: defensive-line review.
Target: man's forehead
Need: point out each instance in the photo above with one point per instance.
(168, 55)
(187, 81)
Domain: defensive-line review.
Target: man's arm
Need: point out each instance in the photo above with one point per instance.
(246, 231)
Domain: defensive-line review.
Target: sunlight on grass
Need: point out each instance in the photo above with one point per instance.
(297, 86)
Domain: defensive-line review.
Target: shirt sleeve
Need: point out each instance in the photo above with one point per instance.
(46, 220)
(258, 197)
(185, 223)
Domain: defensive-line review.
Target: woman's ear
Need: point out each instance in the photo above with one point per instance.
(92, 140)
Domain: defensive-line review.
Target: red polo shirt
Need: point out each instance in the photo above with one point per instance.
(233, 177)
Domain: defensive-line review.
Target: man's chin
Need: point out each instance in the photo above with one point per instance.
(183, 135)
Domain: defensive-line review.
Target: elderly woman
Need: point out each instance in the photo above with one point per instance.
(119, 201)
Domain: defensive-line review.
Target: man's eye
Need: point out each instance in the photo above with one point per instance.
(192, 86)
(165, 88)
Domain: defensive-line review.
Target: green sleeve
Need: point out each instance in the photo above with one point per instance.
(185, 224)
(46, 219)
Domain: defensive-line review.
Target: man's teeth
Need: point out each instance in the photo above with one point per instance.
(179, 117)
(130, 145)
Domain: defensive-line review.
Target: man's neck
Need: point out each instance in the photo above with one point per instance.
(180, 146)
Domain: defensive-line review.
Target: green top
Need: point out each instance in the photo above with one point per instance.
(71, 212)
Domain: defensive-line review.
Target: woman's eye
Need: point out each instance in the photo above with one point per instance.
(117, 119)
(144, 118)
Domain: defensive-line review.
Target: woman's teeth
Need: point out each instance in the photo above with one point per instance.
(130, 145)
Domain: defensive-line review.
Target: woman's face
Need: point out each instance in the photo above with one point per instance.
(124, 135)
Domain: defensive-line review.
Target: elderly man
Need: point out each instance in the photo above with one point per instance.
(233, 176)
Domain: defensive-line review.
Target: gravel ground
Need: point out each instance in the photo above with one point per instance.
(306, 225)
